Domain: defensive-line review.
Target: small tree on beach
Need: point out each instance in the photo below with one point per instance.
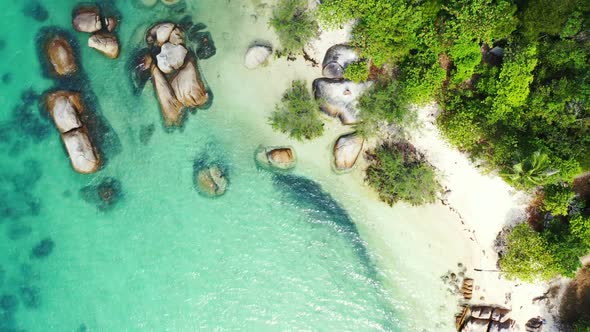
(294, 24)
(298, 113)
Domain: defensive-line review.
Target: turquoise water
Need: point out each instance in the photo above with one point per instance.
(276, 252)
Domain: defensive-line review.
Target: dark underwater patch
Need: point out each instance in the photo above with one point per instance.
(35, 10)
(105, 195)
(323, 209)
(16, 191)
(6, 78)
(43, 249)
(30, 296)
(17, 230)
(146, 132)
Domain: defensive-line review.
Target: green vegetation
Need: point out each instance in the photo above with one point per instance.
(399, 173)
(513, 81)
(298, 113)
(383, 103)
(294, 24)
(357, 72)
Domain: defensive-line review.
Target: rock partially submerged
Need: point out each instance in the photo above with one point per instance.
(276, 157)
(174, 72)
(61, 56)
(211, 181)
(87, 19)
(337, 58)
(347, 150)
(105, 195)
(65, 108)
(105, 43)
(256, 56)
(339, 98)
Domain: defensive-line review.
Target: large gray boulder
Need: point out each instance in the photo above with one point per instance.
(170, 107)
(256, 56)
(501, 327)
(188, 86)
(105, 43)
(347, 150)
(339, 98)
(171, 57)
(87, 19)
(83, 157)
(61, 56)
(337, 58)
(64, 107)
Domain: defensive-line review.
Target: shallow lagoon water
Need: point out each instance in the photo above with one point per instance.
(275, 252)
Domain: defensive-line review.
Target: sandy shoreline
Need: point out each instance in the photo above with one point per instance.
(413, 246)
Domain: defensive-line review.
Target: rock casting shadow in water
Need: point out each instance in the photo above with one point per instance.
(323, 209)
(18, 200)
(35, 10)
(105, 195)
(101, 132)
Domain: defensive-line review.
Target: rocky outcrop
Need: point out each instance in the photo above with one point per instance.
(90, 20)
(171, 57)
(65, 108)
(484, 318)
(174, 71)
(337, 58)
(347, 150)
(188, 87)
(211, 181)
(105, 43)
(170, 106)
(534, 325)
(87, 19)
(256, 56)
(276, 157)
(61, 56)
(339, 98)
(83, 157)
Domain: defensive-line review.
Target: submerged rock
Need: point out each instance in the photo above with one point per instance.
(105, 43)
(43, 249)
(211, 181)
(61, 56)
(111, 23)
(171, 57)
(139, 66)
(347, 150)
(205, 45)
(170, 107)
(35, 10)
(337, 58)
(276, 157)
(256, 56)
(105, 195)
(82, 153)
(87, 19)
(188, 87)
(30, 296)
(339, 98)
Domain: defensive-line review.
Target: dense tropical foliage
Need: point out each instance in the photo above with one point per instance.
(298, 113)
(294, 24)
(399, 173)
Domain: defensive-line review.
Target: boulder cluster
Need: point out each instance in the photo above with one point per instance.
(65, 108)
(89, 19)
(174, 71)
(484, 318)
(211, 181)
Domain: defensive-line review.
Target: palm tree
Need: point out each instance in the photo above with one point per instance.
(532, 171)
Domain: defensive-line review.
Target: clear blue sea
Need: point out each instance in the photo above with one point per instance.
(276, 252)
